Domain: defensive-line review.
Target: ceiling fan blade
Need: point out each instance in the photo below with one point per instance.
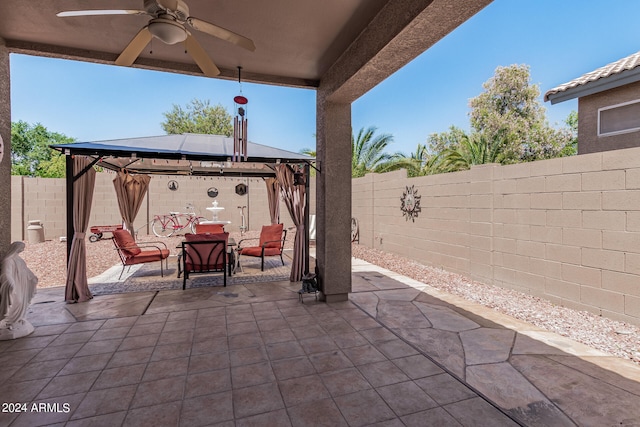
(201, 58)
(133, 49)
(221, 33)
(100, 12)
(168, 4)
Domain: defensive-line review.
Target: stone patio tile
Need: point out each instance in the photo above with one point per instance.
(212, 345)
(256, 400)
(477, 412)
(246, 356)
(486, 345)
(446, 319)
(442, 346)
(30, 419)
(31, 342)
(24, 391)
(182, 315)
(60, 352)
(130, 343)
(308, 331)
(321, 413)
(110, 333)
(330, 361)
(284, 350)
(99, 402)
(436, 417)
(39, 370)
(203, 334)
(240, 317)
(299, 321)
(91, 325)
(17, 358)
(49, 330)
(163, 415)
(117, 377)
(271, 313)
(319, 344)
(159, 391)
(272, 324)
(397, 348)
(250, 375)
(445, 389)
(130, 357)
(176, 337)
(179, 325)
(106, 420)
(292, 368)
(211, 312)
(208, 382)
(303, 389)
(98, 347)
(242, 328)
(69, 384)
(146, 329)
(364, 354)
(294, 311)
(207, 410)
(208, 362)
(171, 351)
(166, 368)
(349, 339)
(72, 337)
(382, 373)
(417, 366)
(379, 334)
(211, 322)
(245, 341)
(344, 381)
(152, 318)
(406, 398)
(360, 324)
(281, 335)
(274, 418)
(95, 362)
(119, 322)
(363, 408)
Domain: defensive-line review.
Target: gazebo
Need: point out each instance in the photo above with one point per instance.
(184, 154)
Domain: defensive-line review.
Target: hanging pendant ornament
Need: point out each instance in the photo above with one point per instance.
(240, 124)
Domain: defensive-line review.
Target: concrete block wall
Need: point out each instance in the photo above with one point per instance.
(567, 230)
(45, 199)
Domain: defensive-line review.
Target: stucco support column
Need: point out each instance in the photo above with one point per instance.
(5, 162)
(333, 198)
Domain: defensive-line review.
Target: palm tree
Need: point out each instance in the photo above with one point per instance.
(473, 150)
(368, 153)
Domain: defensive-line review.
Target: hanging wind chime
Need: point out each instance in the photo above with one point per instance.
(240, 124)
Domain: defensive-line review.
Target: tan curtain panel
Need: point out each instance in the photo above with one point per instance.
(295, 199)
(77, 288)
(274, 200)
(130, 191)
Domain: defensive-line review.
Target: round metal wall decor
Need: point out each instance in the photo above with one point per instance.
(410, 206)
(212, 192)
(241, 189)
(172, 185)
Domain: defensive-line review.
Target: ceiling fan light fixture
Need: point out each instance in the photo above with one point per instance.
(168, 31)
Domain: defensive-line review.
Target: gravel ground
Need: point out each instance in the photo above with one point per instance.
(47, 260)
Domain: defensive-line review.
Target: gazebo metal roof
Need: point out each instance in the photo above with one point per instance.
(184, 154)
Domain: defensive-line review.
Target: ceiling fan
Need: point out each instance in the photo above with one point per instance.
(168, 23)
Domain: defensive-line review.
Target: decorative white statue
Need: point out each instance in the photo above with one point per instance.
(17, 288)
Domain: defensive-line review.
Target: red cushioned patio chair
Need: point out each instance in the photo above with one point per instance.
(271, 243)
(204, 253)
(132, 253)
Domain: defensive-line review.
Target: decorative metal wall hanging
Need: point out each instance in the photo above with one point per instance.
(410, 206)
(172, 185)
(241, 189)
(240, 125)
(212, 192)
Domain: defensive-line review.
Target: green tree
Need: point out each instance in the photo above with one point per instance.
(368, 153)
(30, 152)
(509, 107)
(198, 117)
(472, 150)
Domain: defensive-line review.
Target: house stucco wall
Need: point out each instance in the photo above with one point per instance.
(567, 229)
(588, 139)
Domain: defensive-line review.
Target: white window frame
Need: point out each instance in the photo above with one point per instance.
(618, 132)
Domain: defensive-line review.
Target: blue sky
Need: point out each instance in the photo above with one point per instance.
(559, 39)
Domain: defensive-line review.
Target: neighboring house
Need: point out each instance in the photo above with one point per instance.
(608, 105)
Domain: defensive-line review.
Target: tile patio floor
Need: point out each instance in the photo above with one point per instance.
(398, 353)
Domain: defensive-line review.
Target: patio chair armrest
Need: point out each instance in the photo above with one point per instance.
(155, 242)
(155, 245)
(243, 240)
(281, 241)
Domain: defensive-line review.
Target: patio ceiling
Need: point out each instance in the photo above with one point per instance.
(297, 42)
